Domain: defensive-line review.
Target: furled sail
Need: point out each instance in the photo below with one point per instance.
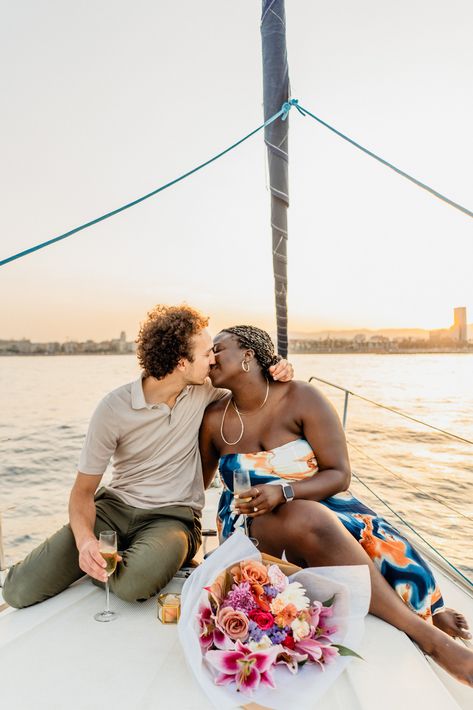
(276, 92)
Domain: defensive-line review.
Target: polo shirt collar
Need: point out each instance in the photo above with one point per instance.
(138, 400)
(137, 395)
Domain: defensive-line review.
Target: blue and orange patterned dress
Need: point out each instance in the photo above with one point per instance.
(399, 563)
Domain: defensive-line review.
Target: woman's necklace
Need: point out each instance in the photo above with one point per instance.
(238, 413)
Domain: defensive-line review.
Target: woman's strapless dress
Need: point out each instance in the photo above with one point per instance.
(398, 561)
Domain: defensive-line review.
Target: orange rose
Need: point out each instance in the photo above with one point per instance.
(250, 571)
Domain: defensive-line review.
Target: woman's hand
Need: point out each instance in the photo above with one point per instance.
(264, 499)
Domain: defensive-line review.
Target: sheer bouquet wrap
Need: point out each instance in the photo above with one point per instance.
(251, 623)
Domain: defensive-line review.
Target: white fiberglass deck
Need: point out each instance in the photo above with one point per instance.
(54, 656)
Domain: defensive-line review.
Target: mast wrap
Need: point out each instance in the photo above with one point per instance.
(276, 92)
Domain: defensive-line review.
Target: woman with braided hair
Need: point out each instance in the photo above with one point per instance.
(290, 440)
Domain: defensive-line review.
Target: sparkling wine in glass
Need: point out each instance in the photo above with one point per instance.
(241, 484)
(108, 550)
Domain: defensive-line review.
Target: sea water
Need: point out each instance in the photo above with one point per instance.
(423, 475)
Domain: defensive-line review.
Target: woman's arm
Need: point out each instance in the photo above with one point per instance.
(323, 430)
(208, 452)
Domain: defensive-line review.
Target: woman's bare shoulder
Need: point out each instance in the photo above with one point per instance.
(303, 394)
(302, 389)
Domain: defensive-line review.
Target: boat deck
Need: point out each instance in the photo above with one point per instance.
(56, 656)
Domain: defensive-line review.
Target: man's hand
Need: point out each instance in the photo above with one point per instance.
(91, 561)
(282, 371)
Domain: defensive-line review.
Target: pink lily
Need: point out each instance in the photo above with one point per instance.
(325, 613)
(329, 653)
(243, 666)
(314, 613)
(312, 648)
(319, 650)
(291, 659)
(210, 635)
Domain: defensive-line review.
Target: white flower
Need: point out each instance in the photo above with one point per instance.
(293, 594)
(300, 629)
(277, 578)
(261, 645)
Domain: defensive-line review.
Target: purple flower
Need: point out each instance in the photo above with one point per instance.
(255, 632)
(270, 591)
(277, 636)
(240, 598)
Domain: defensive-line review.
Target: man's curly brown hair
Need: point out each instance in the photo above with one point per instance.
(166, 337)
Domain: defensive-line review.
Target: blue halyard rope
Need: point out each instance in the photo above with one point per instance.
(283, 112)
(433, 192)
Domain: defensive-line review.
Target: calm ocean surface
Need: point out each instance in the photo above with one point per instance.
(427, 478)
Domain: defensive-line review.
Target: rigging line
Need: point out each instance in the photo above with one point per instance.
(409, 483)
(283, 112)
(433, 192)
(394, 411)
(414, 531)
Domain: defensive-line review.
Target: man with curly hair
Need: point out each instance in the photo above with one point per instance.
(148, 429)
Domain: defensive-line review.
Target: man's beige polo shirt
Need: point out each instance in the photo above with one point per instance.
(153, 448)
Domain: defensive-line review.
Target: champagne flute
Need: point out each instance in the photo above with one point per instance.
(241, 484)
(108, 550)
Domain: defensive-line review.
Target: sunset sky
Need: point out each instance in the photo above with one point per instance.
(105, 101)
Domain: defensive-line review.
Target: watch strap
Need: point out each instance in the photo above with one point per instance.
(288, 492)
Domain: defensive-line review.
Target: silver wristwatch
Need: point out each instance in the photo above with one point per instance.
(288, 492)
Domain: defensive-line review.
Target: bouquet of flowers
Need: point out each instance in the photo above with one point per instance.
(250, 624)
(254, 619)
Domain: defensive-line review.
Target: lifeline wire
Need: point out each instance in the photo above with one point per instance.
(394, 411)
(283, 112)
(408, 483)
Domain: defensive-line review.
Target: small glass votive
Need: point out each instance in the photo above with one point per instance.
(169, 608)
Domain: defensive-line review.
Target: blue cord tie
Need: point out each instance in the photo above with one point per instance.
(287, 105)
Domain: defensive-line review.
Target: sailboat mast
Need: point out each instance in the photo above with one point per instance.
(276, 92)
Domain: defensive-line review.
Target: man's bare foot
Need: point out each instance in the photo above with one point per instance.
(452, 623)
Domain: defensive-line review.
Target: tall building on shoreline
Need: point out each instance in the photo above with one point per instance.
(459, 328)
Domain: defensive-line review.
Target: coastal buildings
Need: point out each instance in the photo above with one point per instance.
(453, 339)
(457, 338)
(119, 346)
(459, 327)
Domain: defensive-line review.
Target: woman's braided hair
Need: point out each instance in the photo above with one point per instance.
(248, 336)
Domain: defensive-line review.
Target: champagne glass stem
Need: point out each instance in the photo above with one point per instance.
(107, 597)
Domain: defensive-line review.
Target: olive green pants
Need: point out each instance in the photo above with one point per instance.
(154, 544)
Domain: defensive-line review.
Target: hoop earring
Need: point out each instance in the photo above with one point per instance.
(247, 368)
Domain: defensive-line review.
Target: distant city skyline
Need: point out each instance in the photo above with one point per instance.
(459, 328)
